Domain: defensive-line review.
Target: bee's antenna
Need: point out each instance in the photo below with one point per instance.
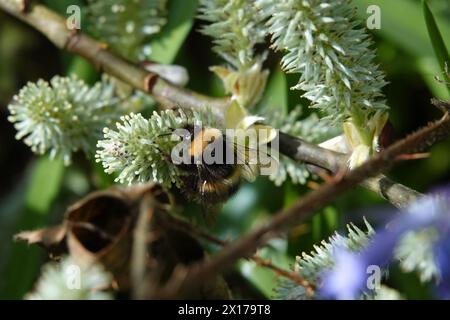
(164, 134)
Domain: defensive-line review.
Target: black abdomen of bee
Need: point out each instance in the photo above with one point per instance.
(210, 182)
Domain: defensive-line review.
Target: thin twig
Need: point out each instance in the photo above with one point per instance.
(286, 274)
(182, 225)
(171, 221)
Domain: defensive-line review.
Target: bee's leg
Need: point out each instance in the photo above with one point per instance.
(210, 213)
(166, 157)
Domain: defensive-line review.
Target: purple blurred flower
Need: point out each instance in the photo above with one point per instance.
(348, 278)
(442, 254)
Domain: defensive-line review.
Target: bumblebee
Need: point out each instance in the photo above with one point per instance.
(214, 181)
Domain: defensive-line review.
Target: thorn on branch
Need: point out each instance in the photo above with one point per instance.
(72, 40)
(286, 274)
(150, 81)
(78, 43)
(24, 5)
(413, 156)
(331, 178)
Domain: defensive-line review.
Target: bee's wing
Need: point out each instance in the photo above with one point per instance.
(252, 169)
(250, 172)
(269, 165)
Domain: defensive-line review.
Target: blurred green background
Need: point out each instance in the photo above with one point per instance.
(34, 192)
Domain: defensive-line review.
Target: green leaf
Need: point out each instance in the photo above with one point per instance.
(11, 206)
(408, 31)
(331, 218)
(316, 227)
(83, 69)
(436, 38)
(275, 96)
(165, 45)
(405, 30)
(44, 185)
(24, 261)
(60, 6)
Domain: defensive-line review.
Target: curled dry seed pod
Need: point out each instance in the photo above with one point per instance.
(97, 228)
(101, 228)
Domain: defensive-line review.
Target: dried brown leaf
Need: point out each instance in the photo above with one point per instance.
(46, 237)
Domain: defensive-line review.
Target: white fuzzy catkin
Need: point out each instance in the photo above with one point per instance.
(324, 42)
(236, 27)
(62, 116)
(67, 280)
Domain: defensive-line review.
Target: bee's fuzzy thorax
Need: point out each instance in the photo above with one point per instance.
(202, 139)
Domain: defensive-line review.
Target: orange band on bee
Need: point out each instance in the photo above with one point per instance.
(202, 140)
(222, 185)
